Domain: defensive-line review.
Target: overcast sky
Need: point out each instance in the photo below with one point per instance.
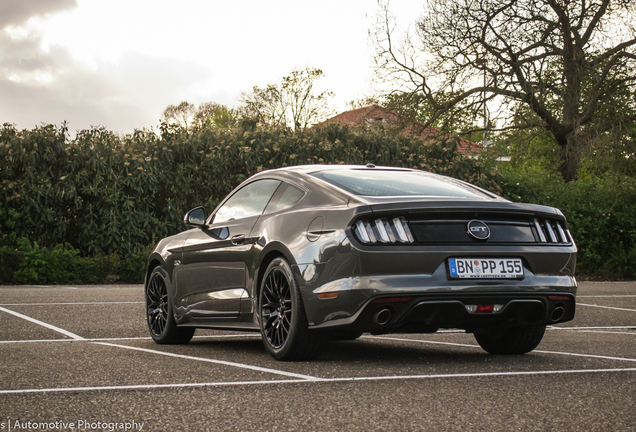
(119, 63)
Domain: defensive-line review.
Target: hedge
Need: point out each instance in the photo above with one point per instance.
(80, 209)
(102, 195)
(601, 213)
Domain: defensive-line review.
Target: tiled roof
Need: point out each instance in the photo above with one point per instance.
(369, 115)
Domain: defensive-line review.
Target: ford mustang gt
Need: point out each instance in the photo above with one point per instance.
(311, 253)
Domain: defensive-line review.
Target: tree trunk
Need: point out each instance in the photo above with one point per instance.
(568, 157)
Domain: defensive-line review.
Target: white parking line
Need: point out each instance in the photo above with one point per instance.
(591, 328)
(604, 332)
(7, 287)
(477, 346)
(606, 307)
(43, 324)
(419, 340)
(319, 381)
(586, 355)
(71, 303)
(249, 335)
(604, 296)
(208, 360)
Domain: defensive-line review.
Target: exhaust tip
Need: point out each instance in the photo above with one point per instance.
(557, 313)
(381, 317)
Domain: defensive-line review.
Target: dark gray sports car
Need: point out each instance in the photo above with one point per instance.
(310, 253)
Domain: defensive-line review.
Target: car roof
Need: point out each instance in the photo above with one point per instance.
(308, 169)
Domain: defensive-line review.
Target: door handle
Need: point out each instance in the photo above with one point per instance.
(238, 239)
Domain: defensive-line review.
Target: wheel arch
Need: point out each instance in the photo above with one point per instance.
(269, 254)
(153, 262)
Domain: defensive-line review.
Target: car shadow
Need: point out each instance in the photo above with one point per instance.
(372, 352)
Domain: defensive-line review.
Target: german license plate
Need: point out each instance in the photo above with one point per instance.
(485, 268)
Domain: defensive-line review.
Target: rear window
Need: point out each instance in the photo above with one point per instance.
(397, 183)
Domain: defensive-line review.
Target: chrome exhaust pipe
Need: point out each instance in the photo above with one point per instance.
(557, 313)
(381, 317)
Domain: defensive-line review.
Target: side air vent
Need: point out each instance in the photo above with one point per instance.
(383, 230)
(552, 231)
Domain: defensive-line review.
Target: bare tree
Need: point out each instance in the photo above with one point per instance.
(295, 101)
(181, 114)
(564, 60)
(265, 105)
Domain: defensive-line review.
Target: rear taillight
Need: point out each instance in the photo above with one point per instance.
(383, 230)
(551, 231)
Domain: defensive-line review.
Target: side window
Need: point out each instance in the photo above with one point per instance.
(248, 201)
(286, 197)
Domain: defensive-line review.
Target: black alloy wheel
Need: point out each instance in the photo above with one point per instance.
(276, 309)
(283, 321)
(159, 317)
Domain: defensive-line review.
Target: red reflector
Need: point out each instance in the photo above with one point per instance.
(393, 300)
(485, 309)
(558, 298)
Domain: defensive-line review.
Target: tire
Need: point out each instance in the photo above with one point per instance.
(159, 316)
(516, 340)
(282, 318)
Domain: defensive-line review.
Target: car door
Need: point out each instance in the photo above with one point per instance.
(213, 277)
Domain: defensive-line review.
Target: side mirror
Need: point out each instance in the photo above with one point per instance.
(195, 217)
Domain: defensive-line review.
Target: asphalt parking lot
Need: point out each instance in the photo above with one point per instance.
(79, 358)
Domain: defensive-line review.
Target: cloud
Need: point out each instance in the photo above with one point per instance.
(120, 97)
(48, 85)
(16, 12)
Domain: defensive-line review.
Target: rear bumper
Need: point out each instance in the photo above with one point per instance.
(359, 297)
(426, 313)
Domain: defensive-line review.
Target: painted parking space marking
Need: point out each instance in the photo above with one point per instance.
(148, 338)
(592, 328)
(24, 287)
(321, 381)
(71, 303)
(43, 324)
(606, 307)
(295, 377)
(604, 332)
(606, 296)
(222, 362)
(477, 346)
(602, 357)
(419, 340)
(208, 360)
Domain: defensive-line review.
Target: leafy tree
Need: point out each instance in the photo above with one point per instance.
(603, 150)
(565, 61)
(217, 114)
(294, 102)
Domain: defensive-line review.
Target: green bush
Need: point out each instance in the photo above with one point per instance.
(106, 198)
(32, 264)
(101, 195)
(39, 265)
(10, 261)
(601, 215)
